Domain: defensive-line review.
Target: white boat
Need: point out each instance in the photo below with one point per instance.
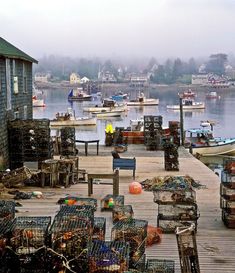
(202, 142)
(108, 105)
(78, 95)
(38, 102)
(112, 113)
(69, 119)
(212, 95)
(188, 104)
(143, 101)
(188, 94)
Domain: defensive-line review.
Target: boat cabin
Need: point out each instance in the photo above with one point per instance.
(187, 101)
(199, 136)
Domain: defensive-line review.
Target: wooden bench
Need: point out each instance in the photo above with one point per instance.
(125, 164)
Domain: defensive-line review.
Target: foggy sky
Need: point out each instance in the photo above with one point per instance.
(112, 28)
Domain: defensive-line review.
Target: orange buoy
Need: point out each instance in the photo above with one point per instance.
(135, 188)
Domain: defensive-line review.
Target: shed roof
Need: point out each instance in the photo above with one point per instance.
(10, 51)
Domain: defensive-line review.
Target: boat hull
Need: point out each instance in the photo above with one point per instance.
(147, 102)
(38, 103)
(74, 98)
(73, 123)
(186, 107)
(221, 149)
(101, 109)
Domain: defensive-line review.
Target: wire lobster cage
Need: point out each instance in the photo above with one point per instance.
(187, 247)
(160, 266)
(110, 201)
(79, 201)
(227, 193)
(122, 213)
(227, 205)
(164, 196)
(107, 257)
(228, 219)
(99, 229)
(138, 266)
(179, 211)
(7, 210)
(84, 212)
(228, 179)
(134, 232)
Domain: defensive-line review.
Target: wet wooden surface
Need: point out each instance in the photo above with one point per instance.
(216, 243)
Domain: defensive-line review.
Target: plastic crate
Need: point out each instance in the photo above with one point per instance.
(168, 224)
(160, 266)
(163, 196)
(108, 257)
(107, 204)
(99, 229)
(122, 213)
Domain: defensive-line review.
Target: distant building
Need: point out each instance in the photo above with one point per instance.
(84, 80)
(138, 80)
(15, 89)
(230, 72)
(41, 77)
(74, 78)
(202, 69)
(106, 76)
(199, 79)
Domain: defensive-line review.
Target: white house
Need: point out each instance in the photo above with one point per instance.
(41, 77)
(84, 80)
(200, 79)
(74, 78)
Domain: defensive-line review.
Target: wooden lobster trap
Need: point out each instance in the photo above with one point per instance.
(160, 266)
(164, 196)
(107, 257)
(134, 232)
(16, 178)
(99, 229)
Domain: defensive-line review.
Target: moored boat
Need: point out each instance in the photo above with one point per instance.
(188, 94)
(202, 142)
(38, 102)
(188, 104)
(78, 95)
(143, 101)
(106, 113)
(212, 95)
(69, 119)
(108, 105)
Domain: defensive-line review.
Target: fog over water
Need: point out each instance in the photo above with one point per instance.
(119, 28)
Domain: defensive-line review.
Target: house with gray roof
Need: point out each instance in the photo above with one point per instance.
(15, 90)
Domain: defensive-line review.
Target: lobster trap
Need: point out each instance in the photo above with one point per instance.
(110, 201)
(99, 229)
(227, 205)
(171, 156)
(228, 219)
(7, 210)
(16, 178)
(85, 213)
(164, 196)
(228, 179)
(134, 232)
(122, 213)
(107, 257)
(160, 266)
(79, 201)
(187, 247)
(227, 192)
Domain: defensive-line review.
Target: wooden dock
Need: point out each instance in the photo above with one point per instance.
(215, 242)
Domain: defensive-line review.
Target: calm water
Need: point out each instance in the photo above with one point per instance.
(220, 110)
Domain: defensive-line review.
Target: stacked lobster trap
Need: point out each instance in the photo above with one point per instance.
(71, 235)
(27, 239)
(152, 132)
(110, 201)
(227, 193)
(174, 127)
(29, 140)
(134, 232)
(107, 257)
(160, 266)
(176, 207)
(171, 155)
(124, 212)
(68, 141)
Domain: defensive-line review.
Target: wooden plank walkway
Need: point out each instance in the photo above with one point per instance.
(216, 245)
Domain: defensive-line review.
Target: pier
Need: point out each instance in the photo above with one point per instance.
(215, 242)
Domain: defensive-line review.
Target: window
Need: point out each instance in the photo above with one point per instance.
(25, 87)
(16, 115)
(16, 89)
(8, 83)
(25, 112)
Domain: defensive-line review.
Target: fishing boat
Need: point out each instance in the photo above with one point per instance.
(202, 142)
(212, 95)
(143, 101)
(107, 113)
(188, 94)
(38, 102)
(120, 96)
(69, 119)
(108, 105)
(78, 95)
(188, 104)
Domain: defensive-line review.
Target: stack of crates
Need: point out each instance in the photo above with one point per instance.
(29, 140)
(153, 132)
(27, 239)
(175, 208)
(108, 257)
(71, 236)
(134, 232)
(68, 141)
(174, 127)
(227, 193)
